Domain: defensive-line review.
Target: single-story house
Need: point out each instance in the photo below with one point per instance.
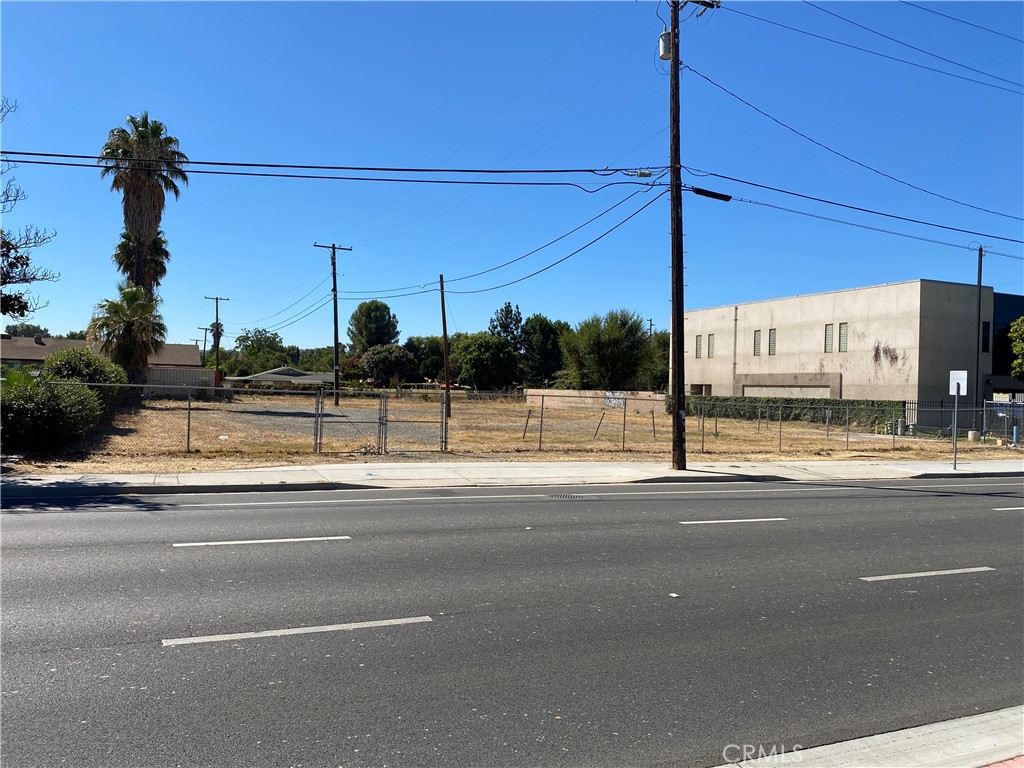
(16, 351)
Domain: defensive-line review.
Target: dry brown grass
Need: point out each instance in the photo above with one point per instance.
(270, 430)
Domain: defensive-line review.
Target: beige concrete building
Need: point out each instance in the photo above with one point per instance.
(893, 342)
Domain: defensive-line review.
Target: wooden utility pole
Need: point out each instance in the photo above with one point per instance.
(444, 348)
(676, 362)
(205, 329)
(334, 290)
(217, 336)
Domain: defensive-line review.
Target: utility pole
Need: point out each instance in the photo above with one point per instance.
(334, 290)
(205, 330)
(444, 348)
(676, 351)
(217, 335)
(676, 362)
(978, 392)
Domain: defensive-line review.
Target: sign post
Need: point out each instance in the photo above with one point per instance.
(957, 387)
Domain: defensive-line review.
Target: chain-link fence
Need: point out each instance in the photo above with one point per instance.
(154, 420)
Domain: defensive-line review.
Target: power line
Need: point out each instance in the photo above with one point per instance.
(873, 53)
(699, 172)
(518, 258)
(358, 168)
(472, 182)
(569, 256)
(962, 21)
(873, 229)
(912, 47)
(847, 157)
(262, 319)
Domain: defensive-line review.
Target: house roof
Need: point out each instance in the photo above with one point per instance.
(27, 349)
(286, 375)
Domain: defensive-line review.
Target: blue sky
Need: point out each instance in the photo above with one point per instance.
(526, 85)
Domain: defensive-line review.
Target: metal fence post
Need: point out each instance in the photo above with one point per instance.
(444, 422)
(382, 424)
(780, 428)
(317, 447)
(847, 427)
(702, 427)
(540, 436)
(625, 410)
(188, 425)
(654, 429)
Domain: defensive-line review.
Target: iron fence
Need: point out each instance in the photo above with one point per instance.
(187, 419)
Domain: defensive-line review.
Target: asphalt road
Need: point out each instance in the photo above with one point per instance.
(555, 626)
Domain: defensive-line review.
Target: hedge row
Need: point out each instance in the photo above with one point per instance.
(861, 412)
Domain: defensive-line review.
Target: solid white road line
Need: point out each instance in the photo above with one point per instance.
(741, 520)
(1008, 509)
(295, 631)
(260, 541)
(925, 573)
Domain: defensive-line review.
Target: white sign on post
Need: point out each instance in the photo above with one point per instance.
(958, 377)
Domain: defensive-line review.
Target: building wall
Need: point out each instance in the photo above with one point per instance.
(881, 359)
(949, 323)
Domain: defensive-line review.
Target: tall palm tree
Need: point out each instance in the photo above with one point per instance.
(154, 267)
(129, 330)
(145, 164)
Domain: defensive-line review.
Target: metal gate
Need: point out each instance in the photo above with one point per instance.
(379, 423)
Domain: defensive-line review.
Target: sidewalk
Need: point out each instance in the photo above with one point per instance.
(482, 474)
(990, 740)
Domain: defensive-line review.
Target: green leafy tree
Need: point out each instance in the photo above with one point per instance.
(26, 329)
(507, 322)
(542, 354)
(259, 350)
(318, 359)
(429, 354)
(216, 335)
(654, 371)
(371, 325)
(606, 353)
(129, 330)
(484, 361)
(388, 365)
(72, 335)
(144, 164)
(1017, 348)
(155, 258)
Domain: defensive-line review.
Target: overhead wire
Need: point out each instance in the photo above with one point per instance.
(358, 168)
(962, 21)
(911, 47)
(471, 182)
(844, 156)
(873, 53)
(873, 229)
(699, 172)
(568, 256)
(262, 319)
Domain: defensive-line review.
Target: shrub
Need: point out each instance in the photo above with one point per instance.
(81, 364)
(40, 418)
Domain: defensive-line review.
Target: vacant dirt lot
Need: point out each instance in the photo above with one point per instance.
(173, 436)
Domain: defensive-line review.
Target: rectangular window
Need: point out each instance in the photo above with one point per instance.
(711, 345)
(757, 343)
(771, 341)
(844, 335)
(828, 337)
(986, 330)
(698, 347)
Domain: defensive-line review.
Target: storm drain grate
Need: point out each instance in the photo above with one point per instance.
(566, 497)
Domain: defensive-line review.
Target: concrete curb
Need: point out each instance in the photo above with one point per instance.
(21, 491)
